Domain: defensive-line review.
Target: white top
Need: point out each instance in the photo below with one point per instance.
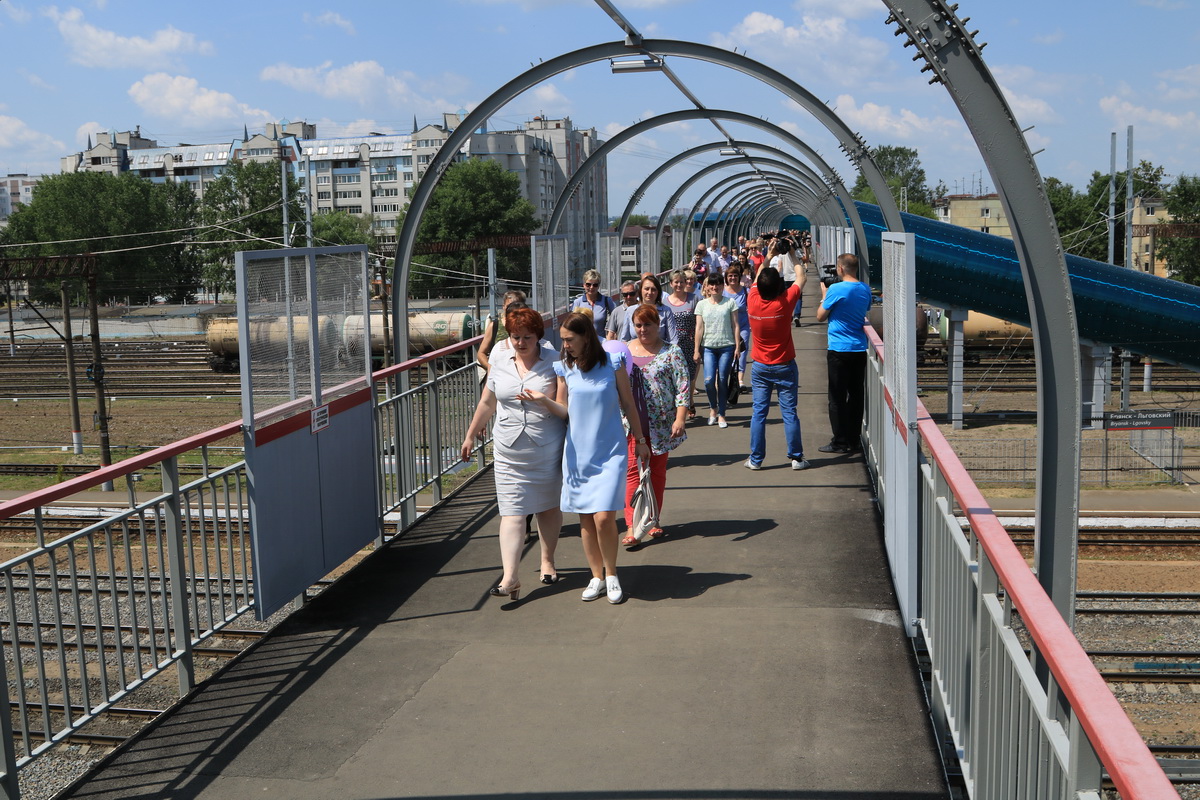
(514, 417)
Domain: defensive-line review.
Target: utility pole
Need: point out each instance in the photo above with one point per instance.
(12, 336)
(1112, 201)
(72, 387)
(96, 373)
(1129, 202)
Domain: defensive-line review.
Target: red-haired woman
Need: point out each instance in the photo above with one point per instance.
(595, 458)
(528, 443)
(662, 391)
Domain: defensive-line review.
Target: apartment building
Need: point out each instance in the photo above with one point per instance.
(375, 173)
(545, 153)
(981, 212)
(16, 189)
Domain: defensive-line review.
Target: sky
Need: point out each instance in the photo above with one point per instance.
(1075, 71)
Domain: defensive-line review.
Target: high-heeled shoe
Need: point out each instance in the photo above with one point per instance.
(500, 590)
(548, 579)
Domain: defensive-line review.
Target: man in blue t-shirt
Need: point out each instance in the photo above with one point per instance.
(844, 306)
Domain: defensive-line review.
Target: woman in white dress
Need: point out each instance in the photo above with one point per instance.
(528, 444)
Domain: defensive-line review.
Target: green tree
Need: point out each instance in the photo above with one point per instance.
(639, 219)
(133, 225)
(340, 228)
(474, 198)
(244, 209)
(1083, 217)
(1182, 253)
(901, 168)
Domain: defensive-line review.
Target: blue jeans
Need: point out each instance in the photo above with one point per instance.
(784, 379)
(717, 361)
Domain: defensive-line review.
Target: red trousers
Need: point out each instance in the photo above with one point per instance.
(658, 479)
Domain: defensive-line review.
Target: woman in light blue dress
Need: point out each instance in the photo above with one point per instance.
(596, 454)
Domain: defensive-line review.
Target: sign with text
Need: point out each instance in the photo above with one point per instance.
(1139, 420)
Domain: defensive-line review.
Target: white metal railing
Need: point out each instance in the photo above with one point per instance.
(99, 606)
(91, 614)
(1014, 736)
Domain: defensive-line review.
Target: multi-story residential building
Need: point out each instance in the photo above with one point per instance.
(359, 175)
(375, 173)
(981, 212)
(110, 153)
(545, 153)
(1148, 213)
(16, 190)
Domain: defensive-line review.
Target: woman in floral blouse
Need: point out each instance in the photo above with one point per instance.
(662, 390)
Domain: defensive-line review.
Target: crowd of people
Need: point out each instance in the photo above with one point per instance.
(585, 429)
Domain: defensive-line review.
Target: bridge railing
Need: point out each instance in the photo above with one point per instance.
(1013, 737)
(101, 605)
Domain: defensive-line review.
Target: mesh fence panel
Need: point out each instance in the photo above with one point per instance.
(1103, 461)
(608, 260)
(648, 255)
(292, 346)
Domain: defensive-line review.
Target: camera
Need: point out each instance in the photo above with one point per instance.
(828, 275)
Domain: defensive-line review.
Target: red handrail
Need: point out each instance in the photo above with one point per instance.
(1130, 764)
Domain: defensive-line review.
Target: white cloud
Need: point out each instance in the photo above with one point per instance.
(773, 41)
(550, 99)
(36, 80)
(611, 129)
(903, 125)
(362, 81)
(14, 133)
(1049, 38)
(86, 130)
(16, 13)
(95, 47)
(330, 19)
(182, 99)
(1124, 112)
(1179, 85)
(854, 9)
(1029, 110)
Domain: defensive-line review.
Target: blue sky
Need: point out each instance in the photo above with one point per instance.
(197, 73)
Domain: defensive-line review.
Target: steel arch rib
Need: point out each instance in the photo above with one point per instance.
(831, 177)
(640, 192)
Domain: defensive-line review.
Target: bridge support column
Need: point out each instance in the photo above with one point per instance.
(955, 345)
(1095, 367)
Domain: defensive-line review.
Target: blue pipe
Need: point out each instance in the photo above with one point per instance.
(956, 266)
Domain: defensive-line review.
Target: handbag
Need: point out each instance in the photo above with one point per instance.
(735, 388)
(644, 505)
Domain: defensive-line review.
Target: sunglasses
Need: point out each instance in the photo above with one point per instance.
(628, 294)
(591, 285)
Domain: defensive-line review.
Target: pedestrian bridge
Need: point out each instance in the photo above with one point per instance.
(761, 653)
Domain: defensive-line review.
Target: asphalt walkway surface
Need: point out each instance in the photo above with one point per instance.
(759, 655)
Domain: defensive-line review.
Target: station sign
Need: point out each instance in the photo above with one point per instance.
(1139, 420)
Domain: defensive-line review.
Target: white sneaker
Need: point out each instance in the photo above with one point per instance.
(800, 464)
(613, 586)
(594, 589)
(751, 465)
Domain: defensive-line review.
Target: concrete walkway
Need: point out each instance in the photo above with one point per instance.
(759, 656)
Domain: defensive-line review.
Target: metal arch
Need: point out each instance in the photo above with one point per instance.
(831, 177)
(679, 193)
(951, 53)
(751, 179)
(737, 203)
(640, 192)
(756, 173)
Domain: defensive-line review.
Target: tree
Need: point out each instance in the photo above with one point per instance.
(245, 209)
(901, 168)
(474, 198)
(340, 228)
(1083, 217)
(639, 219)
(1182, 254)
(138, 229)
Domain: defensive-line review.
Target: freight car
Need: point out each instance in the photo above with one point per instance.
(427, 330)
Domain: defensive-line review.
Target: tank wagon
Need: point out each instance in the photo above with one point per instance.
(427, 331)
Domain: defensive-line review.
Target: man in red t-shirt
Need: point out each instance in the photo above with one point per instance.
(769, 304)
